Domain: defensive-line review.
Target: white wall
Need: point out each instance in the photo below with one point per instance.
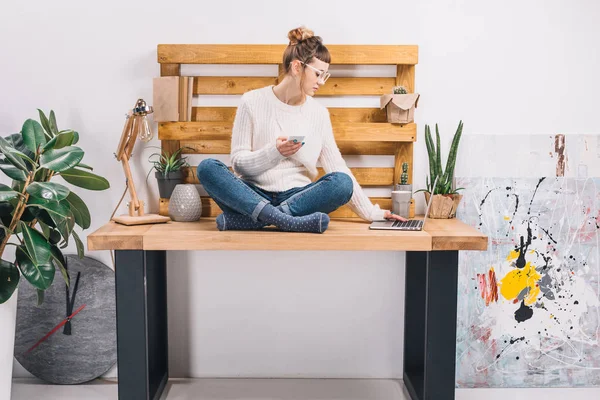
(503, 67)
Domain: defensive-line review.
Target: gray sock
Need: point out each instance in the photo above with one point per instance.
(237, 222)
(316, 222)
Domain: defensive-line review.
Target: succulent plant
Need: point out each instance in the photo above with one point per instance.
(444, 184)
(404, 175)
(400, 90)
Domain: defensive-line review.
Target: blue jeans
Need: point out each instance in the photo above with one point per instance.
(235, 195)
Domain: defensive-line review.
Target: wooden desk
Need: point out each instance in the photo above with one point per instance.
(430, 305)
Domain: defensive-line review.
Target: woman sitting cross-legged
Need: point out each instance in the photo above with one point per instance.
(272, 179)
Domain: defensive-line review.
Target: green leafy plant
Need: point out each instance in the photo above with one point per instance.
(445, 177)
(167, 162)
(41, 214)
(400, 90)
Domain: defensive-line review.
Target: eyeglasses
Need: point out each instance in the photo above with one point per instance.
(321, 75)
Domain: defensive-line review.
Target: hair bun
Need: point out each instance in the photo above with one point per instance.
(299, 34)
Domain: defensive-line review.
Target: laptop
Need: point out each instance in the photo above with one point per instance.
(410, 225)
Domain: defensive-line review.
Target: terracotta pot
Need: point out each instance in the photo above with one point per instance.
(443, 206)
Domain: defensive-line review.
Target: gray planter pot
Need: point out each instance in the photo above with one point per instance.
(166, 184)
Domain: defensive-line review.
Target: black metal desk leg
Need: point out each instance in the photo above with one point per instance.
(141, 286)
(430, 324)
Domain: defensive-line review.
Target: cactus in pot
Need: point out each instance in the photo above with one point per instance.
(404, 185)
(400, 90)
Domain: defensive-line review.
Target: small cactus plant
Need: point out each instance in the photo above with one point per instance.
(400, 90)
(404, 175)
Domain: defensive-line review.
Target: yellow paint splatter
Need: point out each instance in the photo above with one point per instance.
(506, 218)
(517, 280)
(513, 255)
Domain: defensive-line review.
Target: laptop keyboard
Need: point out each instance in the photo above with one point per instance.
(412, 224)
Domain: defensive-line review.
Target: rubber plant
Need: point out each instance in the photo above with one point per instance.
(38, 214)
(446, 176)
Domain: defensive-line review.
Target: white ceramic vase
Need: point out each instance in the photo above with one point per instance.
(185, 204)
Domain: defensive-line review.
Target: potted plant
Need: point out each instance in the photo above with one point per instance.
(403, 184)
(400, 105)
(445, 197)
(168, 171)
(39, 215)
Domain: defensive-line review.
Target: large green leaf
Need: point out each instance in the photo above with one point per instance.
(6, 193)
(84, 179)
(33, 135)
(53, 125)
(48, 191)
(6, 209)
(40, 297)
(9, 154)
(54, 208)
(13, 172)
(16, 142)
(45, 124)
(40, 276)
(63, 139)
(80, 211)
(79, 244)
(61, 159)
(65, 227)
(9, 280)
(37, 245)
(59, 261)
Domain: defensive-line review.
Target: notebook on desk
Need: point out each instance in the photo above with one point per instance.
(410, 225)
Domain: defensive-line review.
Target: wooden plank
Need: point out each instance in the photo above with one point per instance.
(453, 234)
(346, 148)
(356, 87)
(341, 235)
(367, 148)
(234, 85)
(405, 76)
(229, 85)
(206, 146)
(369, 176)
(357, 114)
(272, 54)
(214, 114)
(343, 131)
(170, 69)
(227, 114)
(114, 236)
(366, 176)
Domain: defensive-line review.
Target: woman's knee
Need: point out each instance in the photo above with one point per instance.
(344, 185)
(206, 169)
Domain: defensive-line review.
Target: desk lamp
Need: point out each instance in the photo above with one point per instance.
(136, 126)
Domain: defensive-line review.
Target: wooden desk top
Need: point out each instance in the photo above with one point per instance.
(342, 234)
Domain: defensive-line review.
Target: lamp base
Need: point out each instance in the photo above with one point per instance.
(126, 219)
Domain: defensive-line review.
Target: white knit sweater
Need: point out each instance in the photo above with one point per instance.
(260, 119)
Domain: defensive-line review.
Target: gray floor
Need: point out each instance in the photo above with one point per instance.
(281, 389)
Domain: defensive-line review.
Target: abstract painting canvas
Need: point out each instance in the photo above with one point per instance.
(529, 306)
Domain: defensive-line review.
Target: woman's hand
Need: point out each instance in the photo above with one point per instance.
(389, 215)
(287, 148)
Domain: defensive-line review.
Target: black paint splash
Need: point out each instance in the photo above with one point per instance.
(523, 313)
